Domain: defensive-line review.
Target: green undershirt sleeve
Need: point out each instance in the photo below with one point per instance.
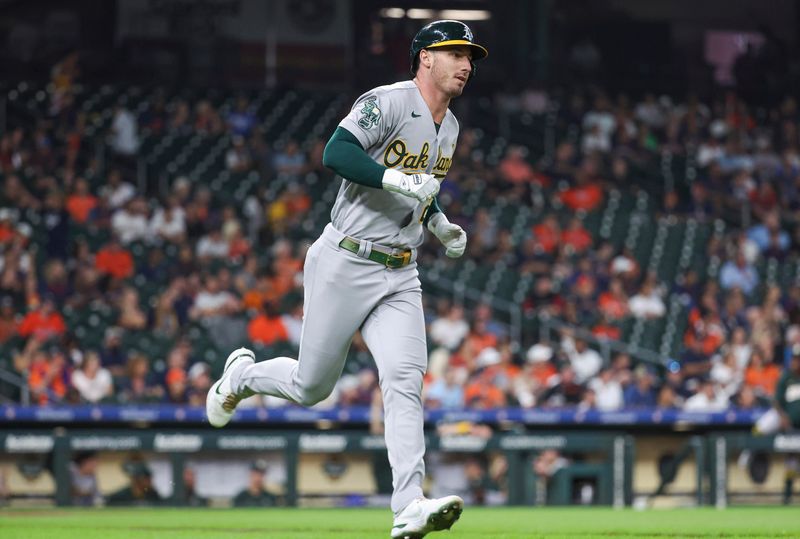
(432, 209)
(344, 155)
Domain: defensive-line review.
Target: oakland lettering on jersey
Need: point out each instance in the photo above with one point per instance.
(443, 163)
(397, 154)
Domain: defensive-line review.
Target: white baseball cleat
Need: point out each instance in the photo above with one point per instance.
(423, 516)
(221, 401)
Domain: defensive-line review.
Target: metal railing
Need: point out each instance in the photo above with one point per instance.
(547, 325)
(18, 381)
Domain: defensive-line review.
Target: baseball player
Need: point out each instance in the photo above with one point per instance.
(392, 150)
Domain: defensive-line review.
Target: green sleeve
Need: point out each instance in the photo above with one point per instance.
(344, 155)
(431, 210)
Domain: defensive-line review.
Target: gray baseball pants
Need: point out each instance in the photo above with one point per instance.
(344, 292)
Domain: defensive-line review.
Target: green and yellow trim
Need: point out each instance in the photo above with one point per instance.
(483, 52)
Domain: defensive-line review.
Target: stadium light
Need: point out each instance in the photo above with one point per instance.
(393, 12)
(420, 13)
(465, 14)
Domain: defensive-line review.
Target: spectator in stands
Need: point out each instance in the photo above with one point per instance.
(55, 281)
(212, 245)
(563, 391)
(575, 238)
(586, 195)
(668, 399)
(588, 402)
(261, 152)
(585, 361)
(480, 338)
(17, 273)
(155, 118)
(81, 202)
(613, 303)
(42, 323)
(607, 390)
(114, 260)
(130, 223)
(206, 119)
(199, 384)
(267, 327)
(647, 303)
(56, 223)
(739, 274)
(761, 375)
(116, 192)
(181, 118)
(725, 373)
(8, 320)
(112, 355)
(293, 318)
(238, 158)
(707, 399)
(481, 391)
(695, 364)
(138, 386)
(168, 223)
(255, 494)
(177, 385)
(92, 381)
(131, 315)
(156, 267)
(768, 236)
(641, 394)
(216, 308)
(483, 231)
(594, 141)
(213, 301)
(514, 169)
(538, 374)
(290, 160)
(48, 375)
(124, 136)
(448, 391)
(548, 233)
(449, 330)
(357, 389)
(241, 120)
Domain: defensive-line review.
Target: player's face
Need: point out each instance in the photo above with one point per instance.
(450, 69)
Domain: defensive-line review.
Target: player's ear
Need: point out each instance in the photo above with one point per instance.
(425, 58)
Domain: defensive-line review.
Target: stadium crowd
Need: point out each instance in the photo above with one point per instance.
(233, 273)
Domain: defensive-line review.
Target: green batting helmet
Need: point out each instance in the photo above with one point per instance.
(441, 34)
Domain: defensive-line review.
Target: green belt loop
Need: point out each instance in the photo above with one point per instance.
(390, 261)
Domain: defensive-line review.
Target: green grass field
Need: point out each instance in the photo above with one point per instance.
(367, 523)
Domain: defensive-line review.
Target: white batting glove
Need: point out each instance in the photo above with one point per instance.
(419, 186)
(451, 235)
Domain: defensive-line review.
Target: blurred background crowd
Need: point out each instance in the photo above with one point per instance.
(113, 289)
(631, 244)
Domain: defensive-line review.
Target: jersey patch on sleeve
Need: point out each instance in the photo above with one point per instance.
(370, 114)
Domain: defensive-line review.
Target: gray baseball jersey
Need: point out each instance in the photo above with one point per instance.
(344, 292)
(395, 127)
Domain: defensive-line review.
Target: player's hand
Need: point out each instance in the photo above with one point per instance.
(451, 235)
(420, 186)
